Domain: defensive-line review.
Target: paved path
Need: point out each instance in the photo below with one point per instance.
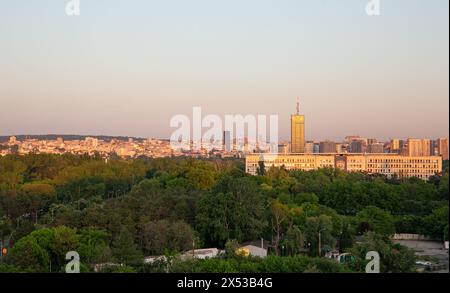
(429, 248)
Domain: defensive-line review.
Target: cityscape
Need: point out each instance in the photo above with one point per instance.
(409, 157)
(224, 144)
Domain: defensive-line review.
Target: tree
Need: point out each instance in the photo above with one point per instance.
(125, 250)
(346, 237)
(315, 225)
(279, 217)
(200, 178)
(29, 256)
(35, 197)
(394, 258)
(157, 237)
(443, 187)
(375, 219)
(303, 197)
(65, 240)
(93, 246)
(233, 210)
(437, 223)
(294, 240)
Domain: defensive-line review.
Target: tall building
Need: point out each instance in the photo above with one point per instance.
(375, 148)
(226, 142)
(316, 147)
(283, 148)
(297, 132)
(395, 145)
(418, 147)
(442, 146)
(426, 147)
(358, 146)
(309, 147)
(327, 147)
(339, 148)
(389, 165)
(434, 148)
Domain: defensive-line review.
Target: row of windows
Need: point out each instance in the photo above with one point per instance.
(408, 172)
(355, 166)
(411, 161)
(358, 166)
(433, 166)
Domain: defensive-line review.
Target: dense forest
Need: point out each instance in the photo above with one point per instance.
(120, 211)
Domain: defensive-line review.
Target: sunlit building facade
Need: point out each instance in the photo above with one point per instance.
(297, 134)
(389, 165)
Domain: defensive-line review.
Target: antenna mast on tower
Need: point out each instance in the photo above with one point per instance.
(298, 105)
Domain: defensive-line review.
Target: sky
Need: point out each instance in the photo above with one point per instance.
(127, 67)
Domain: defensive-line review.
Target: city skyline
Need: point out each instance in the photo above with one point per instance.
(121, 69)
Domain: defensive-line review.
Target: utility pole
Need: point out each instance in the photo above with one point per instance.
(320, 248)
(319, 245)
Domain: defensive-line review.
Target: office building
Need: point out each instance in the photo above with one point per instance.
(394, 146)
(226, 141)
(309, 147)
(375, 148)
(358, 146)
(418, 147)
(389, 165)
(442, 148)
(297, 132)
(340, 148)
(283, 148)
(327, 147)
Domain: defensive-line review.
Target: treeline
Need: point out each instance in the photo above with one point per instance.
(120, 211)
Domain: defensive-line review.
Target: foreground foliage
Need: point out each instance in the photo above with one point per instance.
(121, 211)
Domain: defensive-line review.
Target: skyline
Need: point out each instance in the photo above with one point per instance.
(127, 68)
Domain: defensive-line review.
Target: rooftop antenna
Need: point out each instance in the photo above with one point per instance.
(298, 105)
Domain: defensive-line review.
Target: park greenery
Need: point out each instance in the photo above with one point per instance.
(120, 211)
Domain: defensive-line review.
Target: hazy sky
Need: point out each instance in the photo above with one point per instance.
(125, 67)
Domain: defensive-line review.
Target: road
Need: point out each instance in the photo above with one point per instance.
(435, 250)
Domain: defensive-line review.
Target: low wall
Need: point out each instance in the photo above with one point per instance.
(405, 236)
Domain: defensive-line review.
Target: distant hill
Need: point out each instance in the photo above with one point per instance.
(69, 137)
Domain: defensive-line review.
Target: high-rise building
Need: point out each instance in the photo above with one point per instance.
(339, 148)
(395, 146)
(327, 147)
(414, 147)
(283, 148)
(434, 148)
(426, 147)
(358, 146)
(442, 146)
(227, 144)
(345, 147)
(375, 148)
(418, 147)
(316, 147)
(309, 147)
(297, 132)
